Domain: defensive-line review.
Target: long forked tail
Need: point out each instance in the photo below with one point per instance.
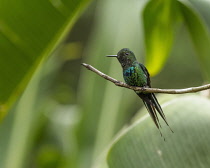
(152, 105)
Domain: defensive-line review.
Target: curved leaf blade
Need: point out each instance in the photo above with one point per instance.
(142, 146)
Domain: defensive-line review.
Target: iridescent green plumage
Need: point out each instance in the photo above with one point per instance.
(136, 74)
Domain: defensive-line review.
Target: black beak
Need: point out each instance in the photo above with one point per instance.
(111, 55)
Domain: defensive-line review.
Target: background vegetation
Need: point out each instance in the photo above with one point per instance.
(55, 113)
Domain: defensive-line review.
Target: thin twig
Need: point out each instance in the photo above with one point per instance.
(146, 90)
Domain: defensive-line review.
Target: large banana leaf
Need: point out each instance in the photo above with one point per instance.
(142, 146)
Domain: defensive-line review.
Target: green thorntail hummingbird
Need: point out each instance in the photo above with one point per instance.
(136, 74)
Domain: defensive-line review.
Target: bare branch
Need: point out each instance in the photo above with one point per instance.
(147, 90)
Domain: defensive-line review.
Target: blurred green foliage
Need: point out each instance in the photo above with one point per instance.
(159, 33)
(68, 116)
(160, 21)
(29, 31)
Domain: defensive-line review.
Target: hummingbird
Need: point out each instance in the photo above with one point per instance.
(136, 74)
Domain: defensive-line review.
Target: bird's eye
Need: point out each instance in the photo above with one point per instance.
(126, 53)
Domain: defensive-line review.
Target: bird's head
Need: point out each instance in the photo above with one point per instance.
(125, 57)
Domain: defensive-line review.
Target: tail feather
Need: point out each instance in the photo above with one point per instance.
(152, 114)
(159, 109)
(153, 108)
(151, 103)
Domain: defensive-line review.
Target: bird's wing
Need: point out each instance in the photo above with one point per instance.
(147, 74)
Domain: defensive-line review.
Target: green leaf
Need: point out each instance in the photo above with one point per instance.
(142, 146)
(29, 31)
(159, 19)
(199, 34)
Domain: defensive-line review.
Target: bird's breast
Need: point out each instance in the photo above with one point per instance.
(134, 76)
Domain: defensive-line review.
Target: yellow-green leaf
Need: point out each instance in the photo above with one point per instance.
(159, 17)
